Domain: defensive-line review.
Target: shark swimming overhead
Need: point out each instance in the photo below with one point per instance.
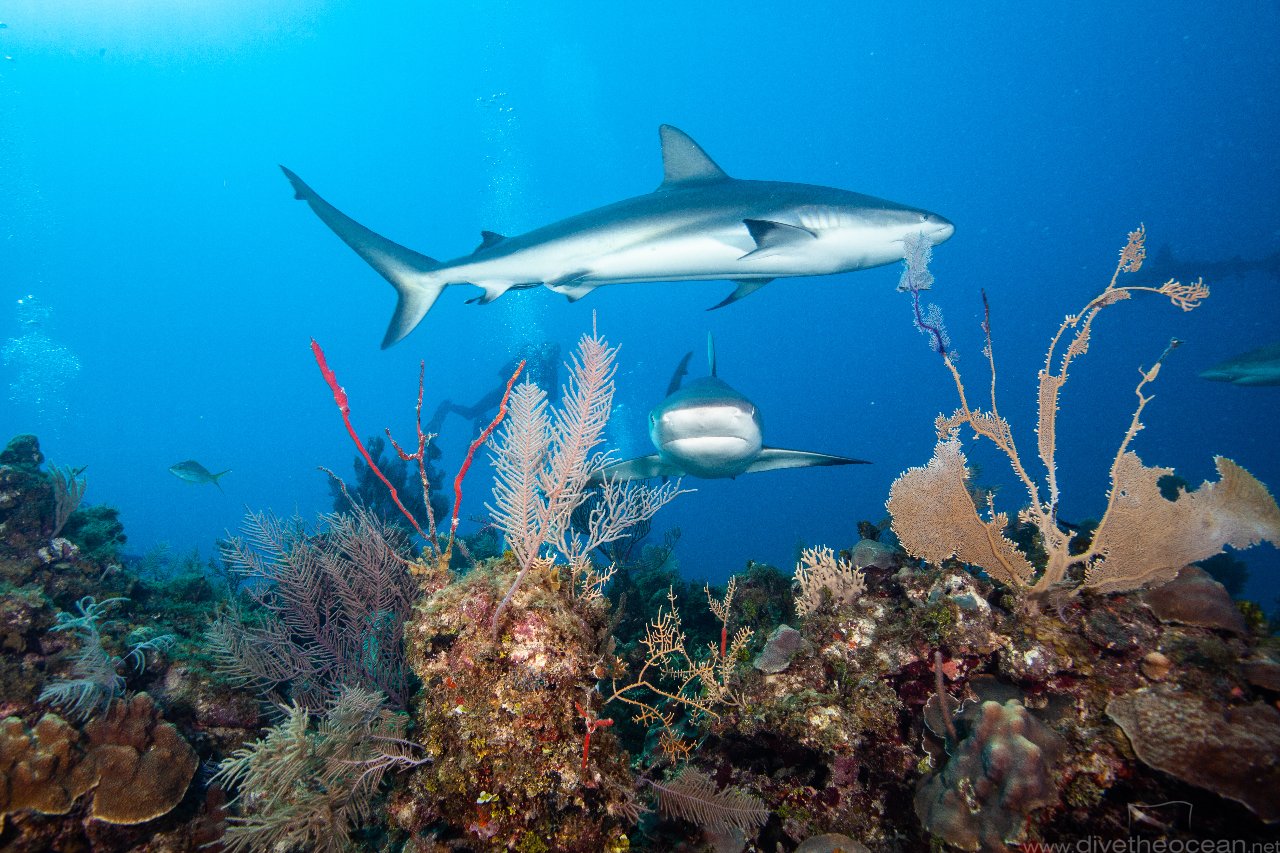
(700, 224)
(707, 429)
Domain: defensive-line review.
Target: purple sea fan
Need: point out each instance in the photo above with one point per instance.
(918, 252)
(330, 612)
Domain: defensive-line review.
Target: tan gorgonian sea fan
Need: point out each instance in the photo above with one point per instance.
(1143, 537)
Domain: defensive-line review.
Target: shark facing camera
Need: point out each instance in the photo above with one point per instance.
(699, 225)
(708, 429)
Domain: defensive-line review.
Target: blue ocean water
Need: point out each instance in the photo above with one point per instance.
(159, 286)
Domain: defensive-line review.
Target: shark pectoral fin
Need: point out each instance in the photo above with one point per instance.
(488, 239)
(1268, 378)
(774, 458)
(640, 468)
(772, 237)
(684, 162)
(408, 271)
(746, 287)
(571, 285)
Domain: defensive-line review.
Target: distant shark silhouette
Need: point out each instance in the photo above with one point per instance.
(707, 429)
(1163, 266)
(700, 224)
(1255, 367)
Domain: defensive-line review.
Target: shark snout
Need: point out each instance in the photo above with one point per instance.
(937, 228)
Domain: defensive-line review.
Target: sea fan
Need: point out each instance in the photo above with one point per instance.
(692, 796)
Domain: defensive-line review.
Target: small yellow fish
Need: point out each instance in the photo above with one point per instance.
(193, 472)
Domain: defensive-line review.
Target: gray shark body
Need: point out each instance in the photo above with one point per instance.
(708, 429)
(1256, 367)
(700, 224)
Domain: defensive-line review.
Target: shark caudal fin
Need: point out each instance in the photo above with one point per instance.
(213, 478)
(409, 272)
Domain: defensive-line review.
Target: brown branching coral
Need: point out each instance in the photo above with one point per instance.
(305, 786)
(671, 677)
(1143, 537)
(332, 606)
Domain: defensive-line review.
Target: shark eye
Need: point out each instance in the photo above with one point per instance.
(924, 217)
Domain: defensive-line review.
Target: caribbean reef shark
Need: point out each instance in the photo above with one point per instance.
(707, 429)
(699, 224)
(1255, 367)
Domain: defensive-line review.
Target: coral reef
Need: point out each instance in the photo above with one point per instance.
(78, 631)
(500, 721)
(563, 688)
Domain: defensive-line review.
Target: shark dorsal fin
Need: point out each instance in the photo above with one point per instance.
(684, 162)
(711, 354)
(489, 239)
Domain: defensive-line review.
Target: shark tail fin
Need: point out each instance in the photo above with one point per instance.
(214, 478)
(711, 354)
(682, 370)
(410, 273)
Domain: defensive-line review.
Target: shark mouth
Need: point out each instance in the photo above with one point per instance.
(711, 446)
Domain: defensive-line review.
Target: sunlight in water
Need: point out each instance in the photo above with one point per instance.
(39, 366)
(518, 321)
(148, 27)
